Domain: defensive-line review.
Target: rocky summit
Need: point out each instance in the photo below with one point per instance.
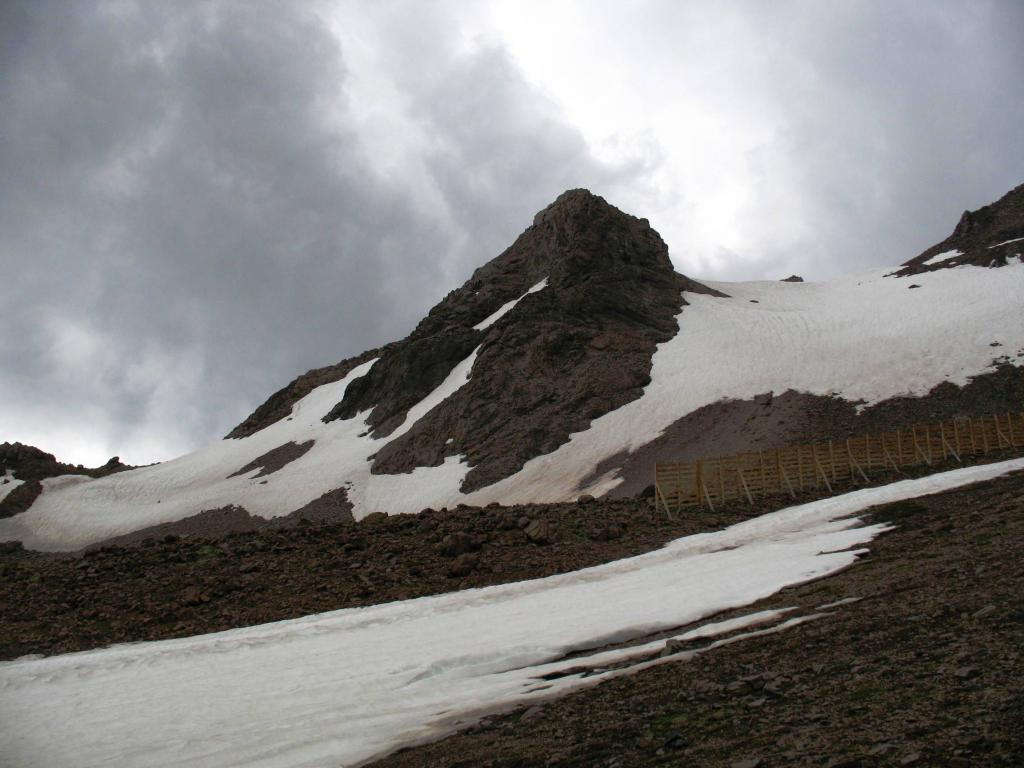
(991, 236)
(559, 359)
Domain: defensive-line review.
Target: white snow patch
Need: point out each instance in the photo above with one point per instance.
(8, 483)
(837, 603)
(632, 652)
(342, 687)
(941, 257)
(1007, 242)
(505, 308)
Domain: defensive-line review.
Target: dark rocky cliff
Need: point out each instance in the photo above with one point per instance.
(577, 349)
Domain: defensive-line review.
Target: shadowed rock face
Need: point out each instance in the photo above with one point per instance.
(577, 349)
(980, 237)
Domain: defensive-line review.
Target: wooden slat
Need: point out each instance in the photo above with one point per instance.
(711, 481)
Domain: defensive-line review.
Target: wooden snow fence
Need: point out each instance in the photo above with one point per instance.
(707, 482)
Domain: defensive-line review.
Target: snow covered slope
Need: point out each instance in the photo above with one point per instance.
(339, 688)
(866, 337)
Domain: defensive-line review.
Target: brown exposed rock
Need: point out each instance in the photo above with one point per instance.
(275, 459)
(59, 602)
(792, 279)
(980, 237)
(463, 565)
(458, 543)
(20, 499)
(332, 507)
(540, 532)
(562, 357)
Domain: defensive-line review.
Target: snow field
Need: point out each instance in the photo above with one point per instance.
(342, 687)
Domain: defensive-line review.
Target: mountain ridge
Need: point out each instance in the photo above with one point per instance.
(564, 367)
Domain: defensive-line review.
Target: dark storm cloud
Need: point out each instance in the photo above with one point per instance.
(200, 200)
(188, 221)
(899, 116)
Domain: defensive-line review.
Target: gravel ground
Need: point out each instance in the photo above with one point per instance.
(926, 669)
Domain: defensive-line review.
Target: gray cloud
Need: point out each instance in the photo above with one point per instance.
(190, 220)
(898, 116)
(202, 200)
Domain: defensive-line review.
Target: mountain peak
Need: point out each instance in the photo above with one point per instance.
(987, 237)
(570, 203)
(557, 330)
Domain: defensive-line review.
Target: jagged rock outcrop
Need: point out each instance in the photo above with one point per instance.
(991, 236)
(577, 349)
(33, 465)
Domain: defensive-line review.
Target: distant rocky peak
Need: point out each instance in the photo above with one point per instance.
(558, 358)
(992, 236)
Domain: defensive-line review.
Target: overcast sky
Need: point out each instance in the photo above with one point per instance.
(201, 200)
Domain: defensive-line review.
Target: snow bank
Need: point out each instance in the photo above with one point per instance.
(941, 257)
(342, 687)
(507, 307)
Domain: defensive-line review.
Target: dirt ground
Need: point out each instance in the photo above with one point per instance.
(926, 669)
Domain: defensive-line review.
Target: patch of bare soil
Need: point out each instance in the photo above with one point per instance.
(927, 669)
(275, 459)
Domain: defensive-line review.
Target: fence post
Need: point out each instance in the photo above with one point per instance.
(743, 480)
(698, 479)
(764, 476)
(659, 496)
(814, 452)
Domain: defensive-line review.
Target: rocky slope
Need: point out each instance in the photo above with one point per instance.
(991, 236)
